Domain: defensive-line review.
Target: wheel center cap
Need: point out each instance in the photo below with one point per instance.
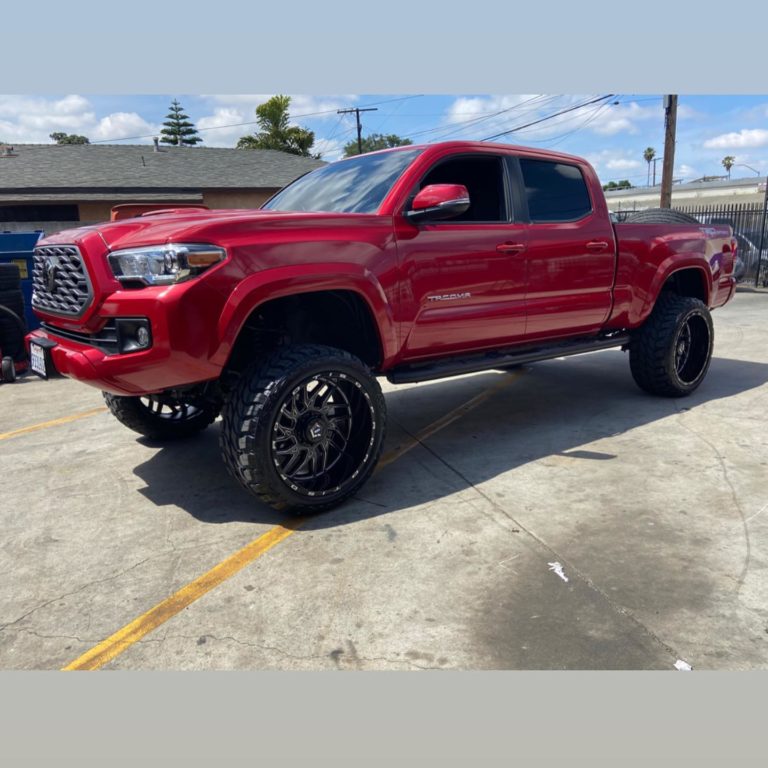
(315, 430)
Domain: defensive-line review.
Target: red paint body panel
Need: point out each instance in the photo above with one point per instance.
(432, 288)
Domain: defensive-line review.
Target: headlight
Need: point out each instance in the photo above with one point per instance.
(164, 264)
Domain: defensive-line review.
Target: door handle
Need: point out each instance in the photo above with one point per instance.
(510, 247)
(597, 245)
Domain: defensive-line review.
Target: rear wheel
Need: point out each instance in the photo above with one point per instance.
(303, 430)
(670, 354)
(161, 417)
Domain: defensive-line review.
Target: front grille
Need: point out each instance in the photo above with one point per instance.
(105, 339)
(60, 283)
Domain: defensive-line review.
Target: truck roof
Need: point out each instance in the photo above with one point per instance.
(547, 153)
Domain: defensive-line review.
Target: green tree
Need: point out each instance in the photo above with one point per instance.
(69, 138)
(623, 184)
(276, 131)
(648, 156)
(177, 129)
(375, 141)
(728, 162)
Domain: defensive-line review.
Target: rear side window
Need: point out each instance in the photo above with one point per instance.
(555, 191)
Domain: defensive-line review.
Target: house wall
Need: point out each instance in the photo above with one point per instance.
(237, 198)
(92, 212)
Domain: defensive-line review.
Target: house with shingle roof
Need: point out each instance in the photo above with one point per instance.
(57, 186)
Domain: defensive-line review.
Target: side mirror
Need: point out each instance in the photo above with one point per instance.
(439, 201)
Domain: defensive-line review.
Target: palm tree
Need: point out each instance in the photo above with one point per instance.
(728, 162)
(648, 155)
(276, 131)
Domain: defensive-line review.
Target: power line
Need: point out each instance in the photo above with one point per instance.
(463, 124)
(548, 117)
(593, 116)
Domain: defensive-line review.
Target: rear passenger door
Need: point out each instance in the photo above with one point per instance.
(570, 255)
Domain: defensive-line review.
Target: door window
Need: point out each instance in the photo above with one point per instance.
(555, 191)
(483, 176)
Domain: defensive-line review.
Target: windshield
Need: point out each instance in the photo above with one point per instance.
(357, 185)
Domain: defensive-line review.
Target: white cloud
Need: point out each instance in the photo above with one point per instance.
(612, 163)
(329, 149)
(476, 117)
(123, 125)
(622, 118)
(686, 172)
(481, 118)
(226, 136)
(746, 137)
(318, 107)
(30, 120)
(623, 164)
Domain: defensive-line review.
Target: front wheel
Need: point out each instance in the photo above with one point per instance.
(303, 430)
(670, 354)
(160, 417)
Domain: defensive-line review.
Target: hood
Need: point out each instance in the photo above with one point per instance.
(210, 226)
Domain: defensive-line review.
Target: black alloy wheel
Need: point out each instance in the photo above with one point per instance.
(161, 417)
(670, 354)
(322, 434)
(304, 429)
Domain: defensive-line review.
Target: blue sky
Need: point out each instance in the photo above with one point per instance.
(611, 135)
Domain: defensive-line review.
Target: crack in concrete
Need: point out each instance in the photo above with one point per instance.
(45, 604)
(174, 550)
(619, 609)
(34, 633)
(734, 495)
(286, 654)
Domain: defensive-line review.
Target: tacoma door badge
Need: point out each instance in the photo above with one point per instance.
(449, 297)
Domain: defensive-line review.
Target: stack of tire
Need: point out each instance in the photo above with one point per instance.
(12, 325)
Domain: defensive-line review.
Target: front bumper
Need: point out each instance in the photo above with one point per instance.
(179, 355)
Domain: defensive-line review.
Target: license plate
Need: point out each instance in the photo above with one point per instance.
(37, 359)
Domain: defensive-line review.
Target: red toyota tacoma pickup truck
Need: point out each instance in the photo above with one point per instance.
(414, 263)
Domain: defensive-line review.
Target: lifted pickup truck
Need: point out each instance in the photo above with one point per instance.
(414, 263)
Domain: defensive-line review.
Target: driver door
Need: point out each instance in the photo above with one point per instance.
(463, 279)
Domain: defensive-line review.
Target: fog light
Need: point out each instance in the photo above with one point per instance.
(133, 334)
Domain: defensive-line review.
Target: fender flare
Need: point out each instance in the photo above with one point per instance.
(269, 284)
(667, 269)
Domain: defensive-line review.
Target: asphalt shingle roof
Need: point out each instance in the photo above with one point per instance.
(50, 167)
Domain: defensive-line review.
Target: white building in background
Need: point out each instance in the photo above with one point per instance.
(704, 193)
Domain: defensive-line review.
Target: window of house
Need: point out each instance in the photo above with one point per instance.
(39, 213)
(555, 191)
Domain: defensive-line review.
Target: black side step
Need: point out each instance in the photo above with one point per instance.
(456, 366)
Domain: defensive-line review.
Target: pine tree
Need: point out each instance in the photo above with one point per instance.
(178, 130)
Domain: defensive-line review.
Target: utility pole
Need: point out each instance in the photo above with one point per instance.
(667, 169)
(357, 111)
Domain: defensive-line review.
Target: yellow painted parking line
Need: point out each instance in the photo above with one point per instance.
(131, 633)
(52, 423)
(115, 644)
